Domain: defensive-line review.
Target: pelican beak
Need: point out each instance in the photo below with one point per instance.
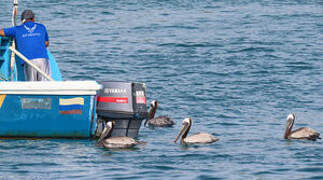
(180, 134)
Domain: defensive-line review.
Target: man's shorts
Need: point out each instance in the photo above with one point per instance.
(32, 74)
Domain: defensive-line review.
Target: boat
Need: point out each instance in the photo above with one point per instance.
(44, 109)
(64, 109)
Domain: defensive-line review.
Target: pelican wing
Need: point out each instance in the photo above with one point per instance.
(304, 133)
(119, 142)
(161, 121)
(200, 138)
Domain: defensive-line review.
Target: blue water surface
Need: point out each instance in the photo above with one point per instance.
(238, 68)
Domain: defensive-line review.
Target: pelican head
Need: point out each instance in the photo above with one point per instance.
(152, 111)
(153, 103)
(106, 131)
(289, 124)
(187, 123)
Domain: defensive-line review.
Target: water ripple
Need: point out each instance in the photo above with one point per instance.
(236, 67)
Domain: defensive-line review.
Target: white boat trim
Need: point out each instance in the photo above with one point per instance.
(50, 87)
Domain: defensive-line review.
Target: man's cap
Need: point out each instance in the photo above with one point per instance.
(27, 14)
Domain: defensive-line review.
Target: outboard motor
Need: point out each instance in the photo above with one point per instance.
(124, 103)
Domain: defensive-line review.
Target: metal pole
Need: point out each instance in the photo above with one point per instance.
(13, 60)
(14, 12)
(31, 64)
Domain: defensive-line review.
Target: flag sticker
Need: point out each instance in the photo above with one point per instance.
(2, 97)
(71, 105)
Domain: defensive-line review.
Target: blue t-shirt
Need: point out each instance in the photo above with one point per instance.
(30, 38)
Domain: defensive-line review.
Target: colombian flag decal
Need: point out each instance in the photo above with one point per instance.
(2, 97)
(71, 105)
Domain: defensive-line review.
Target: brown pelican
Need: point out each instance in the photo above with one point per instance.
(194, 139)
(301, 133)
(160, 121)
(107, 141)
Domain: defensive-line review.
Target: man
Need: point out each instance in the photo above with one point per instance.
(32, 41)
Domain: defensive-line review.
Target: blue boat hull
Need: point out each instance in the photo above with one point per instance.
(42, 117)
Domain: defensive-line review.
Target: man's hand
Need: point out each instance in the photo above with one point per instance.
(2, 33)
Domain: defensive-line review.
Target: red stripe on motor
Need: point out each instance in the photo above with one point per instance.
(113, 99)
(141, 100)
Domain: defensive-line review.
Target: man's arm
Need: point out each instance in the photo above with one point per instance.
(46, 43)
(2, 32)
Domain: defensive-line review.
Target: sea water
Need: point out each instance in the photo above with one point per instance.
(238, 68)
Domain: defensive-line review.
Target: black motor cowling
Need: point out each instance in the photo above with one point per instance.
(124, 103)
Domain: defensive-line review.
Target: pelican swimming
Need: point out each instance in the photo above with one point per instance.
(301, 133)
(114, 142)
(160, 121)
(201, 138)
